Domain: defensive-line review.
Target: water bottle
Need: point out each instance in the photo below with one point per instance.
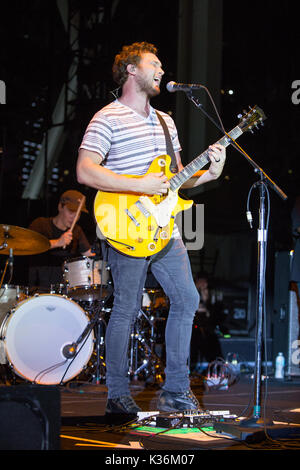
(279, 366)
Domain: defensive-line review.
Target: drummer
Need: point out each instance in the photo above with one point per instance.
(67, 241)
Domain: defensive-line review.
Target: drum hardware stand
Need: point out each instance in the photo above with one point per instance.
(71, 350)
(96, 323)
(9, 262)
(152, 364)
(100, 371)
(6, 236)
(100, 334)
(135, 338)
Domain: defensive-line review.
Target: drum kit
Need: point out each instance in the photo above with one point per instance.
(51, 338)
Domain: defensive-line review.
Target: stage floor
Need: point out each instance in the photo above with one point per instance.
(84, 427)
(77, 413)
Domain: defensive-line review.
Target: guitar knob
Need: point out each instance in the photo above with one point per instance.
(163, 235)
(151, 246)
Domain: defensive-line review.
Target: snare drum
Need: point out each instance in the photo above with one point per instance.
(34, 334)
(83, 276)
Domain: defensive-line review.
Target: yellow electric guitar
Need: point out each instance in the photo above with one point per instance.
(139, 225)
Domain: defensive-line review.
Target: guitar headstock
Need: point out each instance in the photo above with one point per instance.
(251, 119)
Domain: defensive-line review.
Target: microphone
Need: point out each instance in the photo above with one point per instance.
(69, 350)
(173, 86)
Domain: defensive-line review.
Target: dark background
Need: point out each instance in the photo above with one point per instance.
(260, 61)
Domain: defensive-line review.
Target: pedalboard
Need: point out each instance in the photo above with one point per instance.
(188, 419)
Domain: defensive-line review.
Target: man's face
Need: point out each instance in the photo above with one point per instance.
(67, 215)
(149, 73)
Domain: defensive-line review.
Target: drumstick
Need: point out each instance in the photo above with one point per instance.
(77, 215)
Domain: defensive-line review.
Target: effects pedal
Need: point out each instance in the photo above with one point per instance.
(187, 419)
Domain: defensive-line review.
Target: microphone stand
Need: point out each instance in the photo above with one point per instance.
(256, 420)
(71, 350)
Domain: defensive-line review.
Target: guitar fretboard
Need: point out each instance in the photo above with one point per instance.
(199, 162)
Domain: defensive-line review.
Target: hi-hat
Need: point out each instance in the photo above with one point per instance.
(22, 241)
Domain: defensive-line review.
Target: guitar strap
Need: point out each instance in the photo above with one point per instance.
(170, 149)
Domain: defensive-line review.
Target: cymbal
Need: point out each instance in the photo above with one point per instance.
(21, 240)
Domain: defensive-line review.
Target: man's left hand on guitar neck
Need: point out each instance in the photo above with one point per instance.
(217, 155)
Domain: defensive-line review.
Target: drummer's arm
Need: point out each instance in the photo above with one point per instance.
(60, 242)
(64, 240)
(55, 244)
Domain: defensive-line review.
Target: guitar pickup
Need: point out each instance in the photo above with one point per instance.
(142, 208)
(131, 216)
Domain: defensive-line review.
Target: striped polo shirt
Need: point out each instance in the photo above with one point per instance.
(127, 141)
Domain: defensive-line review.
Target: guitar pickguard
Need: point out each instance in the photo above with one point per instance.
(162, 211)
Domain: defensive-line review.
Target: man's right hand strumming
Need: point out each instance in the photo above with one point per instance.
(154, 183)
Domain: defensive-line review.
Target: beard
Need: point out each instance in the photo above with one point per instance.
(146, 86)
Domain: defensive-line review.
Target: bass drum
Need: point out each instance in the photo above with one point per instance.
(35, 333)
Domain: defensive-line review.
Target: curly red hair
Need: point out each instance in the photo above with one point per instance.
(130, 55)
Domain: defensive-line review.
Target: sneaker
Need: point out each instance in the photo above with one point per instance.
(122, 405)
(177, 401)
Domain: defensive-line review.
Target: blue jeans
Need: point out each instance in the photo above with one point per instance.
(171, 268)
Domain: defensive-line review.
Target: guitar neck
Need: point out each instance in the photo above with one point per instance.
(199, 162)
